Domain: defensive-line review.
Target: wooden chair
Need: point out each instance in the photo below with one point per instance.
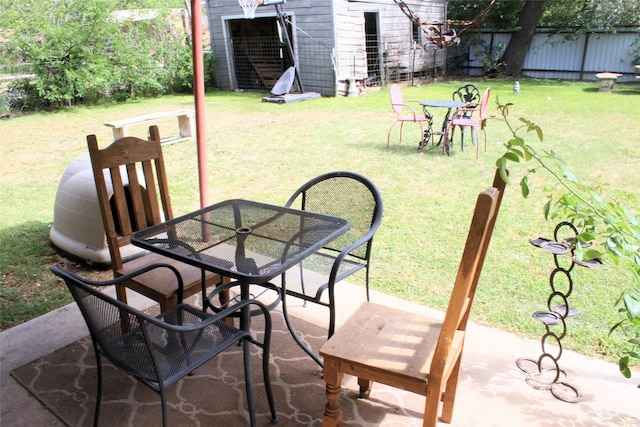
(409, 351)
(133, 194)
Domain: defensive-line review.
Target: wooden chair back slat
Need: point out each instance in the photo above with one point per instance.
(138, 220)
(466, 279)
(138, 180)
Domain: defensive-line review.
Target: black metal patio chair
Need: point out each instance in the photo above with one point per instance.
(470, 95)
(159, 351)
(346, 195)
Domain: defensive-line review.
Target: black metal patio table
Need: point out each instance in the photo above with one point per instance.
(439, 103)
(249, 241)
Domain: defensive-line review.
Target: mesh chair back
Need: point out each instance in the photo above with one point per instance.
(345, 195)
(117, 331)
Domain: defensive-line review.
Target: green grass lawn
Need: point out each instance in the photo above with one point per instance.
(264, 151)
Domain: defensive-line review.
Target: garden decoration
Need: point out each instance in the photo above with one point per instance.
(545, 373)
(603, 224)
(438, 37)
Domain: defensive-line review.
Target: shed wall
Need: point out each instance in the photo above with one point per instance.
(400, 56)
(330, 42)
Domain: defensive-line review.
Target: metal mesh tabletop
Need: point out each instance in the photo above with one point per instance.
(438, 103)
(242, 239)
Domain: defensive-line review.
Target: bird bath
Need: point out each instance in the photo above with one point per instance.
(607, 80)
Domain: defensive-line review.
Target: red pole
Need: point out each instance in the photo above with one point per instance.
(198, 91)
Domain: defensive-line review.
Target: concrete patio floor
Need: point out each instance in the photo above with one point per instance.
(492, 390)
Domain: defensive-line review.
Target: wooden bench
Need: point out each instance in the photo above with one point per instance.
(185, 119)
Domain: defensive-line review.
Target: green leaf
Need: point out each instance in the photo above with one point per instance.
(592, 254)
(547, 210)
(517, 152)
(623, 363)
(524, 186)
(515, 142)
(510, 155)
(539, 133)
(503, 172)
(587, 236)
(615, 326)
(501, 164)
(632, 305)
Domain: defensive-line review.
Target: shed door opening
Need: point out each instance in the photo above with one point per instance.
(372, 44)
(260, 54)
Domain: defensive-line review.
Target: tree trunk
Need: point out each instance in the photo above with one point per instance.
(518, 47)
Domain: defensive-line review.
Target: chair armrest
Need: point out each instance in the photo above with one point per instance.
(466, 111)
(364, 239)
(128, 276)
(207, 318)
(226, 286)
(405, 105)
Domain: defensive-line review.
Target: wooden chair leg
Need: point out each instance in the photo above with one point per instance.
(449, 397)
(121, 293)
(333, 379)
(432, 404)
(167, 303)
(224, 299)
(365, 387)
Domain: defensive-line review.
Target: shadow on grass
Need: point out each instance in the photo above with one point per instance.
(619, 89)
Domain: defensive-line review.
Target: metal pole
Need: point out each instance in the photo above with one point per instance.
(281, 16)
(413, 63)
(198, 92)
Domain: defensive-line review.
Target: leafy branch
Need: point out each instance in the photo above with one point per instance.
(608, 224)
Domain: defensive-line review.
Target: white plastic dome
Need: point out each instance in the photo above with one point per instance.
(77, 223)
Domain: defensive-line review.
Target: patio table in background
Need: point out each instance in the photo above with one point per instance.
(449, 105)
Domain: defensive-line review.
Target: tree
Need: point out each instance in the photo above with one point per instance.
(591, 14)
(521, 39)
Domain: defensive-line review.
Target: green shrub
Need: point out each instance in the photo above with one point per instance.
(81, 51)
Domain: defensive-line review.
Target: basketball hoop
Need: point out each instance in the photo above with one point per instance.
(249, 7)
